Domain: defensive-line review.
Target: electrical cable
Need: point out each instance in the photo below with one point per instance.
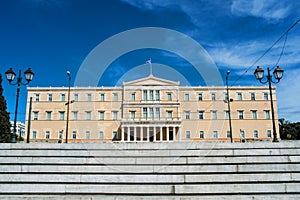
(284, 34)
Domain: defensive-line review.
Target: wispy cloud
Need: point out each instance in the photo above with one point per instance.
(270, 10)
(246, 53)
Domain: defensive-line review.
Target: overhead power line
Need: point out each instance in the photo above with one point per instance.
(269, 49)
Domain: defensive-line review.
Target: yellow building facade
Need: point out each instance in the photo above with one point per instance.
(150, 109)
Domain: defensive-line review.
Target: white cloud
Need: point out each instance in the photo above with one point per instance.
(150, 4)
(246, 53)
(195, 9)
(271, 10)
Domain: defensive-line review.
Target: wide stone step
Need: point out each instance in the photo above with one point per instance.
(151, 178)
(150, 153)
(42, 188)
(161, 197)
(149, 160)
(153, 145)
(229, 168)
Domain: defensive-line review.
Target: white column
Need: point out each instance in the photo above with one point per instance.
(122, 134)
(134, 134)
(142, 133)
(174, 133)
(148, 137)
(128, 133)
(154, 133)
(168, 134)
(160, 133)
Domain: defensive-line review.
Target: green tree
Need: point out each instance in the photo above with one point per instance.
(289, 131)
(5, 132)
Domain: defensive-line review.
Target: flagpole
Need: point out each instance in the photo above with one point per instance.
(150, 63)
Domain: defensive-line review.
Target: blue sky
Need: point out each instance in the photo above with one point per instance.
(53, 36)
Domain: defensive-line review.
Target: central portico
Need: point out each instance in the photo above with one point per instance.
(151, 110)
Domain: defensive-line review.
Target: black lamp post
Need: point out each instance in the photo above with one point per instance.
(278, 73)
(228, 103)
(10, 76)
(68, 106)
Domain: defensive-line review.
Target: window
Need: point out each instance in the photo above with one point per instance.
(37, 97)
(226, 98)
(61, 115)
(34, 133)
(169, 96)
(266, 96)
(101, 115)
(102, 97)
(49, 97)
(187, 134)
(35, 115)
(226, 114)
(47, 134)
(254, 114)
(101, 135)
(75, 115)
(151, 95)
(269, 133)
(201, 114)
(200, 97)
(213, 96)
(241, 114)
(60, 134)
(228, 134)
(214, 114)
(201, 134)
(252, 96)
(89, 97)
(115, 97)
(62, 97)
(87, 135)
(215, 134)
(187, 114)
(132, 114)
(145, 113)
(145, 95)
(169, 114)
(132, 97)
(115, 115)
(239, 96)
(267, 114)
(186, 97)
(88, 115)
(157, 95)
(75, 97)
(151, 113)
(242, 133)
(114, 135)
(255, 133)
(157, 113)
(48, 115)
(74, 135)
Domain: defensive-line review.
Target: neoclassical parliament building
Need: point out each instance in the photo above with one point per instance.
(150, 109)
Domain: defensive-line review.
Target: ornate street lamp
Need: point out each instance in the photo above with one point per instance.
(10, 76)
(278, 73)
(228, 103)
(68, 105)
